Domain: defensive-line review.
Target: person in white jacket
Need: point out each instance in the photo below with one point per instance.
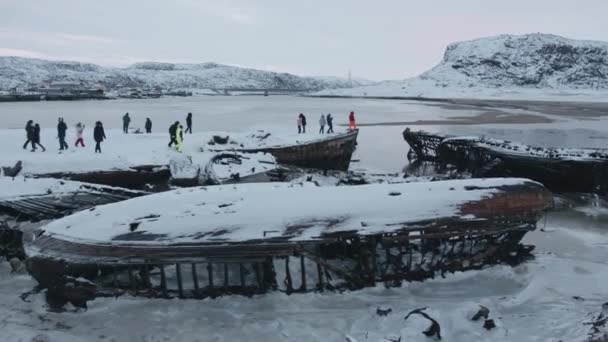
(79, 134)
(322, 124)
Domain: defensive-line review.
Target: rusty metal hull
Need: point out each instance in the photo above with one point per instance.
(332, 153)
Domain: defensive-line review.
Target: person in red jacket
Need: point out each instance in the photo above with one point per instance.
(351, 121)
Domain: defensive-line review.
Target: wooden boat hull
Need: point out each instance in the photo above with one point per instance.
(480, 231)
(582, 170)
(332, 153)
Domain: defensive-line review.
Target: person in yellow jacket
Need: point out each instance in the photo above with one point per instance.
(179, 138)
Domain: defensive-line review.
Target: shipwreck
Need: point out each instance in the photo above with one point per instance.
(560, 169)
(333, 152)
(253, 238)
(27, 202)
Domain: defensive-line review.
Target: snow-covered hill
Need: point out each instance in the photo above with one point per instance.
(26, 72)
(530, 64)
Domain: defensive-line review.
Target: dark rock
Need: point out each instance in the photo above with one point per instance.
(383, 312)
(489, 324)
(220, 140)
(12, 171)
(482, 313)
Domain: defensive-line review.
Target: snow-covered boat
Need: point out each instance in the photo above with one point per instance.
(34, 200)
(562, 169)
(333, 152)
(206, 241)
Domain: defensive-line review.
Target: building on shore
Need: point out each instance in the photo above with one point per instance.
(71, 91)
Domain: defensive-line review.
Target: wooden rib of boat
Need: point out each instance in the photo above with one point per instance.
(252, 238)
(561, 169)
(331, 153)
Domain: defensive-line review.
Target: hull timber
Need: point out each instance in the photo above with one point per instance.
(481, 231)
(134, 178)
(53, 206)
(332, 153)
(578, 170)
(36, 208)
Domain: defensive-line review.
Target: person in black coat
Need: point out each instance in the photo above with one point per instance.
(172, 130)
(36, 138)
(148, 125)
(29, 133)
(330, 123)
(99, 135)
(189, 123)
(126, 119)
(303, 123)
(61, 129)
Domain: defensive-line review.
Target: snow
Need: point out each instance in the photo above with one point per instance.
(123, 151)
(24, 72)
(22, 186)
(247, 164)
(507, 147)
(531, 302)
(532, 66)
(245, 212)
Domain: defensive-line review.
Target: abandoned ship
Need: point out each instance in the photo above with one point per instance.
(560, 169)
(254, 238)
(250, 238)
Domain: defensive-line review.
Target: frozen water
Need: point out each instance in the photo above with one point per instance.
(547, 299)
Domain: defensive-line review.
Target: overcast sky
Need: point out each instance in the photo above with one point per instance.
(375, 39)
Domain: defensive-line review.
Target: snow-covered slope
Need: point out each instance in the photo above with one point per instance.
(26, 72)
(529, 64)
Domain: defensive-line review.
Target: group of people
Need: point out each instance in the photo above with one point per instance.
(33, 133)
(176, 131)
(325, 120)
(126, 121)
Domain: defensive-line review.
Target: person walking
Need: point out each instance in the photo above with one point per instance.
(148, 125)
(330, 123)
(322, 123)
(61, 129)
(99, 135)
(189, 123)
(351, 121)
(179, 138)
(29, 134)
(126, 120)
(36, 138)
(303, 123)
(79, 134)
(172, 130)
(300, 123)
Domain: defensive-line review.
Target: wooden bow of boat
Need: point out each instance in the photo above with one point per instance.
(330, 153)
